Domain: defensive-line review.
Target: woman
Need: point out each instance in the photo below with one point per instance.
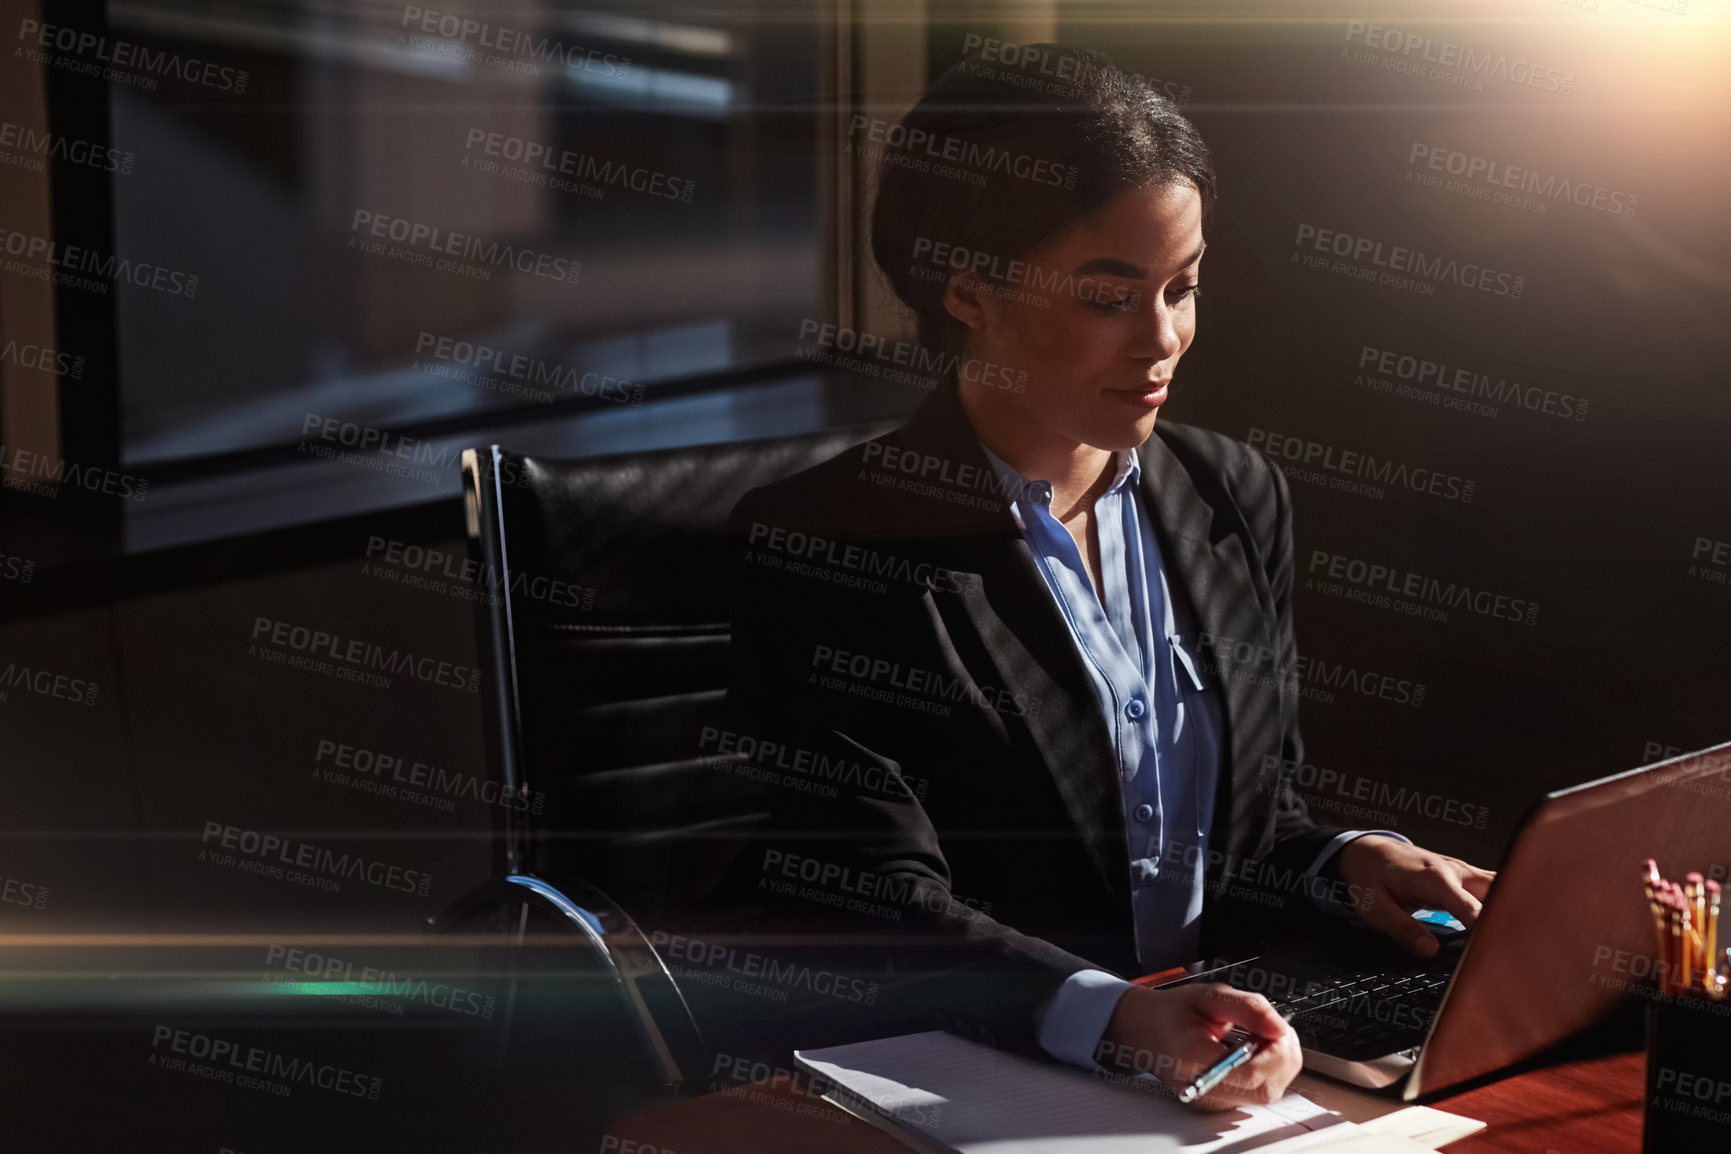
(1026, 664)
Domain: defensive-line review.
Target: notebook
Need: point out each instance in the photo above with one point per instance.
(947, 1095)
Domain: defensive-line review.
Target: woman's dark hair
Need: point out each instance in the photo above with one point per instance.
(998, 156)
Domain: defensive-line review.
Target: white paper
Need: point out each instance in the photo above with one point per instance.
(956, 1095)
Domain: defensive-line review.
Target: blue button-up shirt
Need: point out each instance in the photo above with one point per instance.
(1166, 728)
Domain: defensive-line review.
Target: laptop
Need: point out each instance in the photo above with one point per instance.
(1564, 937)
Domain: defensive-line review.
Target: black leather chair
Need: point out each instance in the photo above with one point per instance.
(605, 634)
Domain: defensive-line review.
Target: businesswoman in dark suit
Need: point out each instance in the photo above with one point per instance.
(1020, 674)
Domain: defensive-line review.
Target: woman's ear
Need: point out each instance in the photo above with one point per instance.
(964, 300)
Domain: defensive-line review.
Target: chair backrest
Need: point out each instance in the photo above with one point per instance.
(607, 637)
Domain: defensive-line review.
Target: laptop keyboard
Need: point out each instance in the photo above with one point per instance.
(1360, 1013)
(1367, 1016)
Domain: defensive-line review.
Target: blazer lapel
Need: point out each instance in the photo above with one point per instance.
(1012, 610)
(1005, 598)
(1228, 603)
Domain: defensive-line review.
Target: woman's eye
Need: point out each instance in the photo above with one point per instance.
(1122, 304)
(1188, 291)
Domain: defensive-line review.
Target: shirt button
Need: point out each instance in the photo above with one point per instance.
(1144, 812)
(1135, 709)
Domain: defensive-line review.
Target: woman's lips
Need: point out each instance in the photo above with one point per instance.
(1150, 396)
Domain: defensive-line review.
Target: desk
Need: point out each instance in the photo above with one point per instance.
(1589, 1105)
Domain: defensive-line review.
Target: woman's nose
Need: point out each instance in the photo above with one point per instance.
(1159, 336)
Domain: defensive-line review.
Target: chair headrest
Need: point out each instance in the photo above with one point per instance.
(639, 540)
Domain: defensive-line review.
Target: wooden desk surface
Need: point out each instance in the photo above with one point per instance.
(1587, 1106)
(1590, 1105)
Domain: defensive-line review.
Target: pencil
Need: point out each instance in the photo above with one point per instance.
(1710, 935)
(1651, 883)
(1680, 938)
(1695, 889)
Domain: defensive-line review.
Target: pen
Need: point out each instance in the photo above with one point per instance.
(1213, 1076)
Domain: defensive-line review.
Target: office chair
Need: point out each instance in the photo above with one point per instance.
(604, 630)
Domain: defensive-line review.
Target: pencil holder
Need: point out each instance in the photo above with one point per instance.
(1688, 1099)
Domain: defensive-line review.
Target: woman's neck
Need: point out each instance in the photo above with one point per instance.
(1077, 472)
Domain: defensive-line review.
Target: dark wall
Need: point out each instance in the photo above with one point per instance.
(144, 783)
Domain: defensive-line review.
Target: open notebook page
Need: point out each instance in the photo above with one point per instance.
(952, 1094)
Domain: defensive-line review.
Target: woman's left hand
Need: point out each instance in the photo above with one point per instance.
(1390, 879)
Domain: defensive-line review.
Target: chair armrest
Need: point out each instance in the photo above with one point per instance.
(533, 912)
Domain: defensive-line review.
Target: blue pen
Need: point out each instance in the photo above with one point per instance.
(1212, 1076)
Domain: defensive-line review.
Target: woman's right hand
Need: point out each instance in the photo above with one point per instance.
(1175, 1035)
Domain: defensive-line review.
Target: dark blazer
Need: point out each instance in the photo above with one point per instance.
(947, 820)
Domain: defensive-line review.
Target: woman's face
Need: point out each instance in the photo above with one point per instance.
(1097, 316)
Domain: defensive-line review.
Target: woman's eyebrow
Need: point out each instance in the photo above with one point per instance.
(1111, 266)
